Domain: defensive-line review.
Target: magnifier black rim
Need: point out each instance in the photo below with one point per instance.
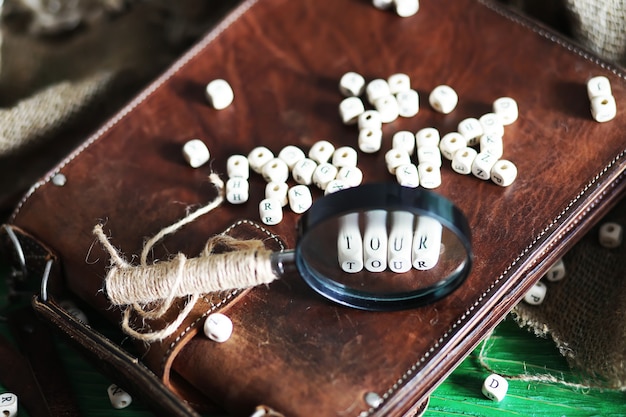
(389, 196)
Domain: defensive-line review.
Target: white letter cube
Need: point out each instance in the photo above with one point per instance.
(408, 103)
(218, 327)
(428, 136)
(430, 175)
(370, 119)
(277, 191)
(275, 170)
(370, 140)
(291, 155)
(407, 176)
(388, 108)
(451, 143)
(258, 157)
(399, 83)
(503, 172)
(481, 167)
(350, 109)
(118, 397)
(351, 84)
(463, 160)
(430, 154)
(321, 151)
(491, 124)
(350, 244)
(471, 129)
(219, 94)
(237, 190)
(556, 272)
(599, 86)
(443, 99)
(536, 294)
(406, 8)
(323, 174)
(352, 176)
(603, 108)
(300, 199)
(196, 153)
(611, 235)
(405, 140)
(376, 89)
(396, 157)
(345, 156)
(8, 404)
(271, 211)
(303, 171)
(495, 387)
(237, 166)
(506, 109)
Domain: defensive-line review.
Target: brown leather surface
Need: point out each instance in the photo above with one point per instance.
(292, 350)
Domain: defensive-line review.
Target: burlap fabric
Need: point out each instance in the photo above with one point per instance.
(67, 64)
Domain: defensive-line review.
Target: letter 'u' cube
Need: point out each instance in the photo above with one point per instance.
(8, 404)
(495, 387)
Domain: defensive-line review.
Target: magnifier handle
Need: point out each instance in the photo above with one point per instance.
(181, 277)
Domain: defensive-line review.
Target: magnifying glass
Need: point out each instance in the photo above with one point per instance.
(381, 247)
(373, 247)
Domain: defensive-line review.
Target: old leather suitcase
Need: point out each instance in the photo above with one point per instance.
(292, 350)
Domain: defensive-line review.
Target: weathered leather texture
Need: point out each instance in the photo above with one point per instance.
(292, 350)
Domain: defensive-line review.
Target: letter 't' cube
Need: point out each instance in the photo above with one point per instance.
(495, 387)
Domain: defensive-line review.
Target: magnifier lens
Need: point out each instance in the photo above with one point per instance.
(399, 248)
